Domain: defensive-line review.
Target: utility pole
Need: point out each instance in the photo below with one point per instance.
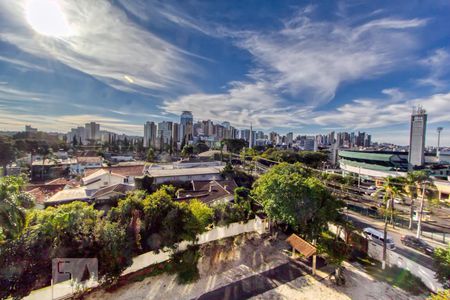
(419, 223)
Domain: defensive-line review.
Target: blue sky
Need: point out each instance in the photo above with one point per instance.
(307, 67)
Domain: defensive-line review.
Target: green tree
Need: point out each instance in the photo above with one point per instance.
(411, 188)
(441, 260)
(202, 216)
(13, 205)
(187, 151)
(150, 154)
(200, 147)
(235, 145)
(7, 153)
(70, 230)
(289, 195)
(391, 190)
(243, 202)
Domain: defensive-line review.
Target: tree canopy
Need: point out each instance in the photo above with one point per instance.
(289, 195)
(442, 264)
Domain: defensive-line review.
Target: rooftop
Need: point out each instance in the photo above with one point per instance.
(184, 171)
(127, 170)
(80, 193)
(209, 191)
(90, 159)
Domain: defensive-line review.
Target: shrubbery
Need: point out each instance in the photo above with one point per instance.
(141, 222)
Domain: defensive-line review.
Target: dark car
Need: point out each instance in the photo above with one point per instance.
(418, 244)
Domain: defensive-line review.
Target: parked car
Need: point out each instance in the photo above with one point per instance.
(418, 244)
(377, 237)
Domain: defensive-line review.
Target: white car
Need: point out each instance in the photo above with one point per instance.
(377, 237)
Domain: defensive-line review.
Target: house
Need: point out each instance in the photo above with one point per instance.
(69, 195)
(209, 192)
(161, 176)
(50, 168)
(106, 176)
(43, 192)
(103, 178)
(86, 162)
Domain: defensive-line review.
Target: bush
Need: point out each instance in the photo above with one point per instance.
(184, 264)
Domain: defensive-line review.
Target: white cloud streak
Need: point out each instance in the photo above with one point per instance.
(376, 113)
(106, 45)
(438, 64)
(312, 59)
(305, 60)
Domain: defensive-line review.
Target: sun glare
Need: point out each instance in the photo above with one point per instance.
(47, 18)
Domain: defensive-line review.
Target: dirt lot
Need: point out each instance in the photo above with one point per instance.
(222, 262)
(359, 285)
(234, 259)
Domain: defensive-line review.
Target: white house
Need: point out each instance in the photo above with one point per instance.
(104, 177)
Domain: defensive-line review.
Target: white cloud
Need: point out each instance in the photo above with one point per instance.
(106, 45)
(305, 60)
(437, 63)
(242, 104)
(63, 123)
(311, 59)
(376, 113)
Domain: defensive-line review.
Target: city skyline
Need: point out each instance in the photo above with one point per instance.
(284, 67)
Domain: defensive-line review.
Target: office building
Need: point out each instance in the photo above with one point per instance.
(150, 134)
(186, 126)
(164, 134)
(92, 131)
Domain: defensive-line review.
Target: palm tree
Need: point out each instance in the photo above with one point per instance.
(390, 190)
(411, 187)
(13, 203)
(426, 185)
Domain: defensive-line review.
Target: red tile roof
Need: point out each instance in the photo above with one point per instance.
(136, 170)
(44, 192)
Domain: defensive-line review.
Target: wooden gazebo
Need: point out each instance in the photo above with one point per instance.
(303, 247)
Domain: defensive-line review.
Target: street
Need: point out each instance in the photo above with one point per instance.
(361, 222)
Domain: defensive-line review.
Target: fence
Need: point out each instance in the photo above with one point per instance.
(65, 289)
(441, 237)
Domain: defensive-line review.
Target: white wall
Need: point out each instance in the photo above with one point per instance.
(150, 258)
(393, 258)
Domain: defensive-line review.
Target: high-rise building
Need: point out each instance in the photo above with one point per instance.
(186, 126)
(92, 131)
(289, 139)
(164, 134)
(30, 129)
(175, 133)
(417, 134)
(150, 134)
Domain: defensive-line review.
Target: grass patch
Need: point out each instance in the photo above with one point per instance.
(395, 276)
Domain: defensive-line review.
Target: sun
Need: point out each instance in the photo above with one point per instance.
(47, 18)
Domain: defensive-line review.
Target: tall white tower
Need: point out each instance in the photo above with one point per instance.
(438, 151)
(417, 134)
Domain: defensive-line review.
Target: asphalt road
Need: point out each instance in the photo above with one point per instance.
(363, 222)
